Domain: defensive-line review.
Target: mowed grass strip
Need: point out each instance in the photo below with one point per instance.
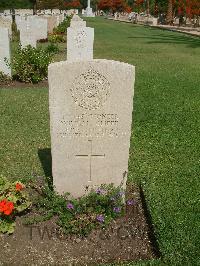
(165, 143)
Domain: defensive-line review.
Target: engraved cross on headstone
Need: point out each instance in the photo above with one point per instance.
(90, 155)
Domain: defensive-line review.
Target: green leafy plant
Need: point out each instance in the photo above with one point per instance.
(62, 27)
(80, 216)
(13, 200)
(52, 48)
(56, 38)
(15, 33)
(5, 79)
(30, 64)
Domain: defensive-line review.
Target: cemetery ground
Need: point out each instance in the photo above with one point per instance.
(165, 143)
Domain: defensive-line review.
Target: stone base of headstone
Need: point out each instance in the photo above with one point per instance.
(89, 13)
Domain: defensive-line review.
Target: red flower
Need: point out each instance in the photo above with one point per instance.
(6, 207)
(2, 205)
(18, 186)
(9, 208)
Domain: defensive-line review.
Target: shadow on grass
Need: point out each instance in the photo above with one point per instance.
(191, 41)
(46, 162)
(151, 232)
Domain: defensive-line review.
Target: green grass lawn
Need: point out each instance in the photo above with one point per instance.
(165, 143)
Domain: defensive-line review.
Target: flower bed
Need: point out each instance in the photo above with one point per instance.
(13, 201)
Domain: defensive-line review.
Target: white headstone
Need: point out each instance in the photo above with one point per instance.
(4, 51)
(7, 12)
(47, 11)
(61, 17)
(80, 40)
(27, 36)
(32, 28)
(38, 27)
(57, 20)
(6, 22)
(18, 21)
(56, 11)
(154, 21)
(51, 22)
(90, 116)
(77, 22)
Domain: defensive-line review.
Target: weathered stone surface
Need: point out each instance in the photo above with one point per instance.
(77, 22)
(6, 12)
(35, 24)
(39, 26)
(90, 115)
(51, 23)
(80, 41)
(6, 22)
(27, 36)
(4, 51)
(23, 12)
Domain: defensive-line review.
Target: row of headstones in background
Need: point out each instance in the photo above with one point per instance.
(90, 116)
(33, 28)
(140, 19)
(4, 50)
(147, 20)
(45, 11)
(52, 20)
(88, 12)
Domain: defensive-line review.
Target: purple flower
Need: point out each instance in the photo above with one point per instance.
(117, 209)
(100, 218)
(70, 206)
(130, 202)
(100, 191)
(120, 194)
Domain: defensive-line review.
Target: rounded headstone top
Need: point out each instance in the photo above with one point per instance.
(77, 22)
(76, 18)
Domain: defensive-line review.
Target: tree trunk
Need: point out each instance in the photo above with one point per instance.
(148, 8)
(34, 9)
(169, 18)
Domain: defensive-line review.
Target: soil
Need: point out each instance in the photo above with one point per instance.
(129, 238)
(17, 84)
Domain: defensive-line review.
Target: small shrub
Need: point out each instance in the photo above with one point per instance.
(30, 64)
(13, 201)
(15, 32)
(52, 48)
(80, 216)
(56, 38)
(4, 79)
(62, 27)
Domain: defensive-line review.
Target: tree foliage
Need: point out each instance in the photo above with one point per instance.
(114, 5)
(9, 4)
